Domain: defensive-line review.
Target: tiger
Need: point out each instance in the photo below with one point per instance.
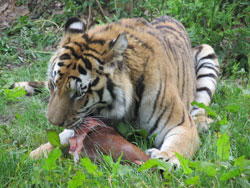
(135, 71)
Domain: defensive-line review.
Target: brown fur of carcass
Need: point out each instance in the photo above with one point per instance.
(109, 142)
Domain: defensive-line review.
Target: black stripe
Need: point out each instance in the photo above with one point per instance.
(170, 114)
(95, 82)
(184, 76)
(110, 87)
(61, 74)
(100, 41)
(197, 53)
(108, 27)
(88, 40)
(155, 101)
(205, 89)
(164, 92)
(65, 57)
(87, 63)
(131, 47)
(169, 117)
(164, 19)
(79, 45)
(170, 30)
(183, 118)
(143, 21)
(60, 64)
(91, 49)
(69, 65)
(208, 67)
(175, 61)
(100, 93)
(159, 39)
(195, 108)
(96, 58)
(82, 70)
(178, 24)
(210, 56)
(73, 52)
(207, 75)
(86, 37)
(112, 43)
(139, 89)
(145, 45)
(157, 121)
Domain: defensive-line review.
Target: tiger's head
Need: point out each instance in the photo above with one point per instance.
(87, 76)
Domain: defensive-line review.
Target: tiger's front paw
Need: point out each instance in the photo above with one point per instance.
(43, 150)
(202, 123)
(164, 155)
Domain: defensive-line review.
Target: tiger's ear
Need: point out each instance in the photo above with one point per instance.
(74, 25)
(120, 44)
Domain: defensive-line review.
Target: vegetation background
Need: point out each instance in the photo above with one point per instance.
(29, 33)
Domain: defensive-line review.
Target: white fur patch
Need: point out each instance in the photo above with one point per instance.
(76, 25)
(66, 135)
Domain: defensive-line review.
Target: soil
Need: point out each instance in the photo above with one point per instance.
(9, 12)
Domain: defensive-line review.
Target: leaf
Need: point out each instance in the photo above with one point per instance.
(123, 129)
(230, 174)
(108, 159)
(223, 147)
(193, 181)
(50, 162)
(77, 180)
(184, 163)
(202, 166)
(142, 132)
(209, 111)
(115, 166)
(90, 167)
(223, 121)
(243, 182)
(53, 138)
(154, 163)
(14, 94)
(240, 161)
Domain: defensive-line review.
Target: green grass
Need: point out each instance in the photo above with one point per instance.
(25, 50)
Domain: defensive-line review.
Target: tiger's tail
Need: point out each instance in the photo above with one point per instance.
(31, 88)
(207, 73)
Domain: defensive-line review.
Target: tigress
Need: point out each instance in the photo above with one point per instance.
(136, 71)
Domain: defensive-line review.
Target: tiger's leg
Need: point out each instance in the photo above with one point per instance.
(207, 72)
(182, 139)
(174, 128)
(31, 88)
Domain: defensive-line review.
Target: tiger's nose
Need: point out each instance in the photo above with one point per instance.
(57, 123)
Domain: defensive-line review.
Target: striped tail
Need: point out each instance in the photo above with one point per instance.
(207, 73)
(31, 88)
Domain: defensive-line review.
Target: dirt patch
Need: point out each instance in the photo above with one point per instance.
(9, 12)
